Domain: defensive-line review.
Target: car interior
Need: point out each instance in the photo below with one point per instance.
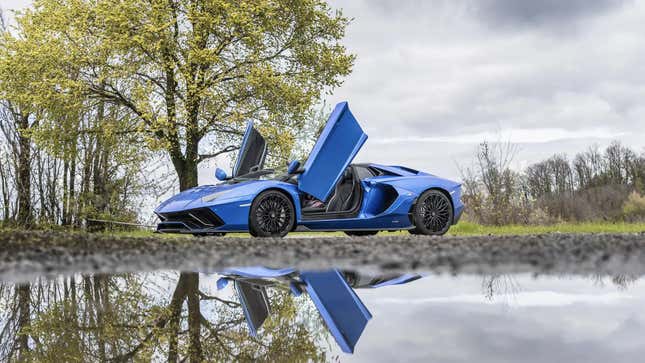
(346, 199)
(344, 202)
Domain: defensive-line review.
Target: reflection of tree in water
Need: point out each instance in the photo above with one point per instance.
(116, 318)
(14, 320)
(501, 285)
(621, 281)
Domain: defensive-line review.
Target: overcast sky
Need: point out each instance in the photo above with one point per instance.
(434, 78)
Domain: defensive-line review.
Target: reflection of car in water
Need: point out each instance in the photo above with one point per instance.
(327, 193)
(331, 291)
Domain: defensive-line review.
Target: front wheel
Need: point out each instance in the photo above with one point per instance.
(432, 214)
(272, 215)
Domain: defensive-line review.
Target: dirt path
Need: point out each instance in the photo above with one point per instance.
(26, 255)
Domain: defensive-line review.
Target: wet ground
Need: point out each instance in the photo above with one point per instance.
(27, 255)
(556, 298)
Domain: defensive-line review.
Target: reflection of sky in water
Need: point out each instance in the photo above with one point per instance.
(506, 318)
(548, 319)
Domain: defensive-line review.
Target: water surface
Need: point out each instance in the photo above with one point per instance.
(332, 315)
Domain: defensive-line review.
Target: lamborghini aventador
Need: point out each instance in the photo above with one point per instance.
(327, 193)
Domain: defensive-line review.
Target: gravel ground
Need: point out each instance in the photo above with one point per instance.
(27, 255)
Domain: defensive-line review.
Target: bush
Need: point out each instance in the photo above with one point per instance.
(540, 217)
(634, 207)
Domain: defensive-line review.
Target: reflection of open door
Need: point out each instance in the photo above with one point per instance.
(252, 152)
(342, 310)
(255, 303)
(336, 147)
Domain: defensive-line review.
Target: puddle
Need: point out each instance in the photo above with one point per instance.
(332, 315)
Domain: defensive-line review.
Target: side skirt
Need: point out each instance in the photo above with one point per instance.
(301, 228)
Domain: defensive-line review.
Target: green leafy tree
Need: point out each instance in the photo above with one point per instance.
(190, 71)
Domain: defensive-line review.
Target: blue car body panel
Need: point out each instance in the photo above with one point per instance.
(342, 310)
(386, 203)
(230, 202)
(338, 144)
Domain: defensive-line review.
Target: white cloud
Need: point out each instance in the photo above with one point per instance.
(516, 136)
(520, 299)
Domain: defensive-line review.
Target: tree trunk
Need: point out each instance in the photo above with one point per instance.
(71, 204)
(194, 319)
(65, 192)
(24, 315)
(86, 177)
(24, 173)
(176, 302)
(98, 190)
(4, 185)
(185, 166)
(187, 175)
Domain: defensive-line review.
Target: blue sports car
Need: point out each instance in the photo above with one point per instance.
(327, 193)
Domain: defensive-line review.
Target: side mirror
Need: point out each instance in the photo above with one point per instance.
(293, 167)
(220, 174)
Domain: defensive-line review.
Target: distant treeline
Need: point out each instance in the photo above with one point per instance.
(595, 185)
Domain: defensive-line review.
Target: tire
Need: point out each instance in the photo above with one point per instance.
(432, 214)
(361, 233)
(272, 215)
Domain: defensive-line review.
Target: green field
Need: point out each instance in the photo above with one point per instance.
(472, 229)
(468, 228)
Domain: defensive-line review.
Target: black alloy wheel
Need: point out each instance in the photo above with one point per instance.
(272, 215)
(433, 213)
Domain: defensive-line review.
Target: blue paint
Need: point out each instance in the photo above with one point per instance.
(342, 310)
(220, 174)
(338, 144)
(293, 166)
(344, 313)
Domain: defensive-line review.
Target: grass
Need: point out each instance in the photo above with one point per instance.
(471, 229)
(464, 228)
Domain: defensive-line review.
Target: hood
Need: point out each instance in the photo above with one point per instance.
(206, 195)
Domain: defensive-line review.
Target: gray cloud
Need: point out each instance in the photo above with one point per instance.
(513, 13)
(510, 14)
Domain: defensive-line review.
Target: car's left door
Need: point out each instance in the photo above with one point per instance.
(252, 152)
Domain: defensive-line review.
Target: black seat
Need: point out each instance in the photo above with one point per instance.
(342, 200)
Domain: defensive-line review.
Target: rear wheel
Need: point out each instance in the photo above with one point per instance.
(361, 233)
(432, 214)
(272, 215)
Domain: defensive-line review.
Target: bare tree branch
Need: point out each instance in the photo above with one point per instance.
(227, 149)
